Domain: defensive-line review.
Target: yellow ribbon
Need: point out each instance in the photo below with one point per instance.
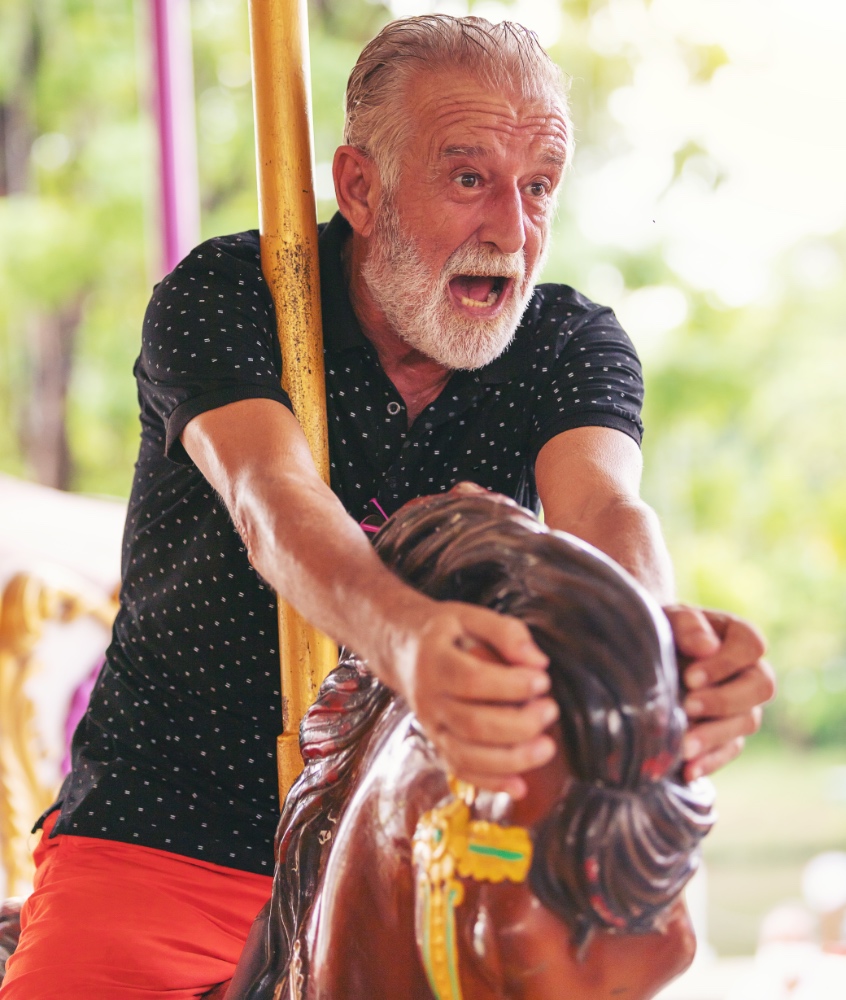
(448, 844)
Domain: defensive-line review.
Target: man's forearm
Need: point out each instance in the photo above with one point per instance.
(629, 532)
(589, 484)
(302, 541)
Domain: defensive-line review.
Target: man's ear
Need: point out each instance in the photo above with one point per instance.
(357, 188)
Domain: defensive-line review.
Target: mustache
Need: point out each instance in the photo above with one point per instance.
(481, 260)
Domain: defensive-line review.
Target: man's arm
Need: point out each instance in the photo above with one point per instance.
(589, 484)
(487, 719)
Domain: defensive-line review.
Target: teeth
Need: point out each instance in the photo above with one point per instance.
(476, 304)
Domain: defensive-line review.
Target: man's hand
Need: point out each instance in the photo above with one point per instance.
(727, 682)
(475, 680)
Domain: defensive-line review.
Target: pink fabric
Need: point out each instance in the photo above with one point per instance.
(78, 705)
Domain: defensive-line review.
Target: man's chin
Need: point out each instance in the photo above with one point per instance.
(465, 352)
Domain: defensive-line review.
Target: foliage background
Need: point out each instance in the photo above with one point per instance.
(706, 204)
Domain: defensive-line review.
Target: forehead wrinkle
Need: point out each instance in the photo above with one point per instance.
(546, 129)
(496, 117)
(459, 96)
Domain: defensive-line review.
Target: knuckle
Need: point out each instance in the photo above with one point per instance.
(758, 640)
(728, 751)
(472, 728)
(746, 635)
(760, 683)
(511, 684)
(714, 704)
(523, 688)
(468, 685)
(511, 625)
(490, 728)
(724, 754)
(768, 680)
(685, 618)
(454, 752)
(514, 725)
(522, 632)
(518, 758)
(533, 722)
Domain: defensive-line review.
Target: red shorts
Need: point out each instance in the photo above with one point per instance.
(114, 921)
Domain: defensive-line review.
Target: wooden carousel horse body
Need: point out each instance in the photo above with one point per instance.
(371, 896)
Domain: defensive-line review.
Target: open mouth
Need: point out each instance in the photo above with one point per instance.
(479, 291)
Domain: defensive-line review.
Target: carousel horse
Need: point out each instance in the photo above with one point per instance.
(393, 881)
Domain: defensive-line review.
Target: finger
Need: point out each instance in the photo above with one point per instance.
(508, 637)
(474, 679)
(693, 634)
(721, 621)
(465, 488)
(753, 686)
(710, 762)
(707, 737)
(500, 725)
(500, 762)
(514, 785)
(742, 645)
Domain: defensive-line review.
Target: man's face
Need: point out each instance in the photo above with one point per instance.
(457, 246)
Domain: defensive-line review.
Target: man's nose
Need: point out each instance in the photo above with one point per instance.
(504, 225)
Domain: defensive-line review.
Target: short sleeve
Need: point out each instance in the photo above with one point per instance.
(209, 338)
(596, 380)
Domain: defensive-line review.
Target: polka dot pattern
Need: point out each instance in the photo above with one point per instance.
(177, 749)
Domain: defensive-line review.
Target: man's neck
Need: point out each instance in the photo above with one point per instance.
(416, 377)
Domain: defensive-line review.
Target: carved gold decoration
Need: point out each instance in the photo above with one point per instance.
(27, 604)
(288, 226)
(449, 844)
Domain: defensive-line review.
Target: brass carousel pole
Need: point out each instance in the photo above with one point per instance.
(288, 226)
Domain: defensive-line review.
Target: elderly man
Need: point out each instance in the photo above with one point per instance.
(444, 363)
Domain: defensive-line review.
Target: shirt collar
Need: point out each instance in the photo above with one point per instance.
(341, 329)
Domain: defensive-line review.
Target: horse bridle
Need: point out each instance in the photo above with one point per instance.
(448, 845)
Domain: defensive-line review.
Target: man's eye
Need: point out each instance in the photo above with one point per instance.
(538, 188)
(469, 180)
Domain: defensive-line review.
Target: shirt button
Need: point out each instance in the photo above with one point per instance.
(393, 408)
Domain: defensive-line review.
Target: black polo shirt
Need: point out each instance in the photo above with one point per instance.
(177, 749)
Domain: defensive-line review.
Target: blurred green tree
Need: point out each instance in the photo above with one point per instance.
(72, 215)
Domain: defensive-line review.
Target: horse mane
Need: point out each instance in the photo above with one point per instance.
(619, 847)
(334, 735)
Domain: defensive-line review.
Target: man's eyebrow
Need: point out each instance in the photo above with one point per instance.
(450, 152)
(556, 159)
(549, 156)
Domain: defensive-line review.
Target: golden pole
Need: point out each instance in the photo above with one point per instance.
(288, 227)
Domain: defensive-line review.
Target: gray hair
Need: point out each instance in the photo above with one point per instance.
(502, 56)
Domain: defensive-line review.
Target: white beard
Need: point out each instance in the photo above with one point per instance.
(417, 303)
